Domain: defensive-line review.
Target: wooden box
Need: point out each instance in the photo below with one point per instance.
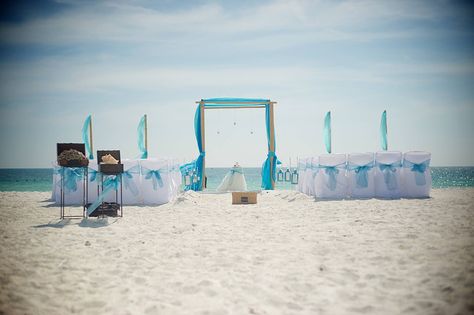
(109, 209)
(60, 147)
(244, 197)
(109, 169)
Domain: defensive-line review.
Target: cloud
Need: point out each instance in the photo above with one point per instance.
(210, 23)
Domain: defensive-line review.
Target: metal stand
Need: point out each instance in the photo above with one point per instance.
(85, 194)
(101, 209)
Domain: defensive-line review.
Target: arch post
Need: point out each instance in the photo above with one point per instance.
(203, 142)
(272, 143)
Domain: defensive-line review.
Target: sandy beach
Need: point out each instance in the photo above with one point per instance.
(289, 254)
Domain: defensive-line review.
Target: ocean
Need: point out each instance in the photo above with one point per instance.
(40, 179)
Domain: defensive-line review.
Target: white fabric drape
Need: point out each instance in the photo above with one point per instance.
(234, 180)
(137, 189)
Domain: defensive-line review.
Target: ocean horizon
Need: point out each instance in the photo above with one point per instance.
(41, 179)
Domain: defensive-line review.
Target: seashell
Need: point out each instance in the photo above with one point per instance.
(109, 159)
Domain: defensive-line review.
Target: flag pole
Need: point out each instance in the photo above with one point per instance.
(146, 134)
(90, 136)
(386, 128)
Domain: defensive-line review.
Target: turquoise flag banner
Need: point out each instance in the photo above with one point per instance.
(86, 136)
(327, 132)
(141, 138)
(383, 131)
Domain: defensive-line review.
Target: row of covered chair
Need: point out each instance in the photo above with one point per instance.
(386, 174)
(144, 181)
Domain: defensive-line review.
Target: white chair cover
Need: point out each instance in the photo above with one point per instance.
(314, 170)
(301, 172)
(131, 183)
(387, 174)
(416, 175)
(309, 174)
(55, 188)
(156, 185)
(93, 178)
(331, 180)
(176, 177)
(360, 175)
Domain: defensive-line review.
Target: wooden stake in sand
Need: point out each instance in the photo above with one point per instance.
(272, 143)
(203, 143)
(146, 134)
(90, 136)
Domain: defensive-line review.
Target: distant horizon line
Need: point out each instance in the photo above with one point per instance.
(43, 168)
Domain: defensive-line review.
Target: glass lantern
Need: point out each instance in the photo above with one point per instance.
(280, 176)
(294, 177)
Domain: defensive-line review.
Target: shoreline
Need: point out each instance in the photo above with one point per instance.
(199, 254)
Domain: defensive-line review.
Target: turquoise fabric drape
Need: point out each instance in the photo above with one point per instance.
(269, 169)
(202, 154)
(154, 176)
(92, 174)
(70, 177)
(234, 102)
(141, 138)
(111, 183)
(383, 131)
(327, 132)
(389, 171)
(85, 137)
(332, 171)
(361, 173)
(128, 182)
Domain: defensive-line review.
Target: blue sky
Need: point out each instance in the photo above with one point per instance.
(117, 60)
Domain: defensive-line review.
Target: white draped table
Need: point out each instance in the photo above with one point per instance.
(144, 182)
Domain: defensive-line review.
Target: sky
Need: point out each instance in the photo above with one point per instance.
(117, 60)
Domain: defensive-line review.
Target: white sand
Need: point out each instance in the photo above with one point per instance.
(201, 255)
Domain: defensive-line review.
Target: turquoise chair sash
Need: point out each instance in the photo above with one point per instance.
(332, 171)
(236, 170)
(389, 176)
(361, 173)
(128, 182)
(92, 174)
(154, 175)
(70, 176)
(419, 169)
